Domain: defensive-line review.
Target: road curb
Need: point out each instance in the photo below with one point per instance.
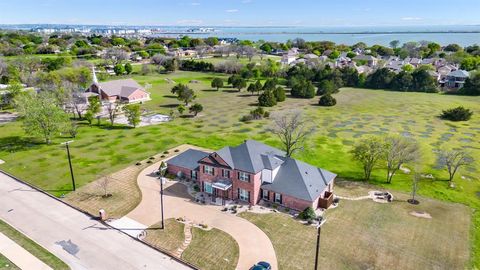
(169, 254)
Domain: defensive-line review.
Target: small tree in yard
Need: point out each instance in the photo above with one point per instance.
(184, 93)
(457, 114)
(252, 88)
(217, 83)
(113, 108)
(398, 151)
(415, 186)
(181, 109)
(327, 101)
(267, 99)
(128, 68)
(279, 93)
(93, 109)
(368, 152)
(453, 160)
(132, 112)
(104, 185)
(292, 130)
(307, 214)
(239, 83)
(195, 109)
(118, 69)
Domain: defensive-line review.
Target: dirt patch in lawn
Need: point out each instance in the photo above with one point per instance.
(421, 214)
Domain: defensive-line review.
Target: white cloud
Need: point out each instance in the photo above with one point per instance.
(231, 10)
(411, 19)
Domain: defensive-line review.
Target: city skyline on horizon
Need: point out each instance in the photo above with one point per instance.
(241, 13)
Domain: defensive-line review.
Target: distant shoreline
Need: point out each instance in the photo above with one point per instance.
(327, 33)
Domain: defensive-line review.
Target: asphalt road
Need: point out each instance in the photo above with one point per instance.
(72, 236)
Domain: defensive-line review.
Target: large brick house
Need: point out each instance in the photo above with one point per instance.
(253, 171)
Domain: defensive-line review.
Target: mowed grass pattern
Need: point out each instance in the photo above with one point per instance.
(369, 235)
(359, 112)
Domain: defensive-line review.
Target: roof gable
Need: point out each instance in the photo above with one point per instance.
(122, 88)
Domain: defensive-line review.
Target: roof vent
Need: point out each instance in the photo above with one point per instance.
(306, 172)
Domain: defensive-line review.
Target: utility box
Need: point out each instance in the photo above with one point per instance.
(102, 215)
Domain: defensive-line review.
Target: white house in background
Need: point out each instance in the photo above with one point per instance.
(288, 58)
(456, 79)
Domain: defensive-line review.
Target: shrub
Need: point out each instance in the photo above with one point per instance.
(149, 161)
(166, 152)
(279, 94)
(196, 188)
(307, 214)
(138, 163)
(266, 114)
(327, 100)
(151, 157)
(246, 118)
(162, 156)
(176, 151)
(457, 114)
(303, 89)
(267, 99)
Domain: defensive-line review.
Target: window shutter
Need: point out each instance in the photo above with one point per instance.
(238, 193)
(203, 167)
(248, 178)
(249, 196)
(281, 198)
(238, 175)
(213, 171)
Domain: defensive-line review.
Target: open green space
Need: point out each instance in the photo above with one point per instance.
(6, 264)
(369, 235)
(99, 150)
(32, 247)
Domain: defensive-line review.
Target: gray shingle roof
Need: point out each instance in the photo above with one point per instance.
(251, 156)
(188, 159)
(300, 180)
(123, 88)
(459, 74)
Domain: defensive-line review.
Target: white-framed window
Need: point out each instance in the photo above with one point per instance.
(265, 194)
(194, 175)
(208, 169)
(208, 187)
(278, 198)
(243, 195)
(226, 173)
(243, 176)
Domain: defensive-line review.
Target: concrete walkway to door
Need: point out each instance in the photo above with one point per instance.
(253, 243)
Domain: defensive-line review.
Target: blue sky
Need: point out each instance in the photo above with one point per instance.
(242, 12)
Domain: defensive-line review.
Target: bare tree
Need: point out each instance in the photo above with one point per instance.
(415, 186)
(104, 185)
(398, 151)
(292, 129)
(113, 108)
(452, 160)
(115, 55)
(250, 52)
(201, 50)
(368, 151)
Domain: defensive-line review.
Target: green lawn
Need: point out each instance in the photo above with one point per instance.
(6, 264)
(369, 235)
(170, 239)
(212, 250)
(359, 112)
(32, 247)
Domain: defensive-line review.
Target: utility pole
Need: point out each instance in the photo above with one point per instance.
(317, 251)
(162, 169)
(70, 163)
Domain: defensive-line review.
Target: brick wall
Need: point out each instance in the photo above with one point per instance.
(172, 169)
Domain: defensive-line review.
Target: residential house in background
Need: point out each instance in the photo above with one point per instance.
(369, 60)
(252, 172)
(126, 91)
(455, 79)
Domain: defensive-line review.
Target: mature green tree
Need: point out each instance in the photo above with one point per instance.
(195, 109)
(270, 84)
(239, 83)
(399, 151)
(394, 44)
(303, 89)
(472, 85)
(258, 86)
(326, 87)
(94, 107)
(279, 93)
(380, 79)
(368, 152)
(423, 81)
(267, 99)
(403, 81)
(252, 88)
(128, 68)
(133, 114)
(13, 90)
(217, 83)
(327, 100)
(453, 48)
(184, 93)
(181, 108)
(119, 69)
(41, 114)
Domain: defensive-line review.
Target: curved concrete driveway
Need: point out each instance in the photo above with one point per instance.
(254, 244)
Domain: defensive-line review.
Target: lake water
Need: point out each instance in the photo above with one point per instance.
(463, 35)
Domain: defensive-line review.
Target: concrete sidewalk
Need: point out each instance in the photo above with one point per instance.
(72, 236)
(19, 256)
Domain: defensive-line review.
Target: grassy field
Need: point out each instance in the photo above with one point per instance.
(209, 250)
(369, 235)
(169, 239)
(212, 250)
(99, 150)
(6, 264)
(32, 247)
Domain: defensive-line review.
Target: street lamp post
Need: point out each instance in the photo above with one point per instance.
(162, 170)
(317, 251)
(70, 163)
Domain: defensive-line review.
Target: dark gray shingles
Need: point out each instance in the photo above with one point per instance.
(188, 159)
